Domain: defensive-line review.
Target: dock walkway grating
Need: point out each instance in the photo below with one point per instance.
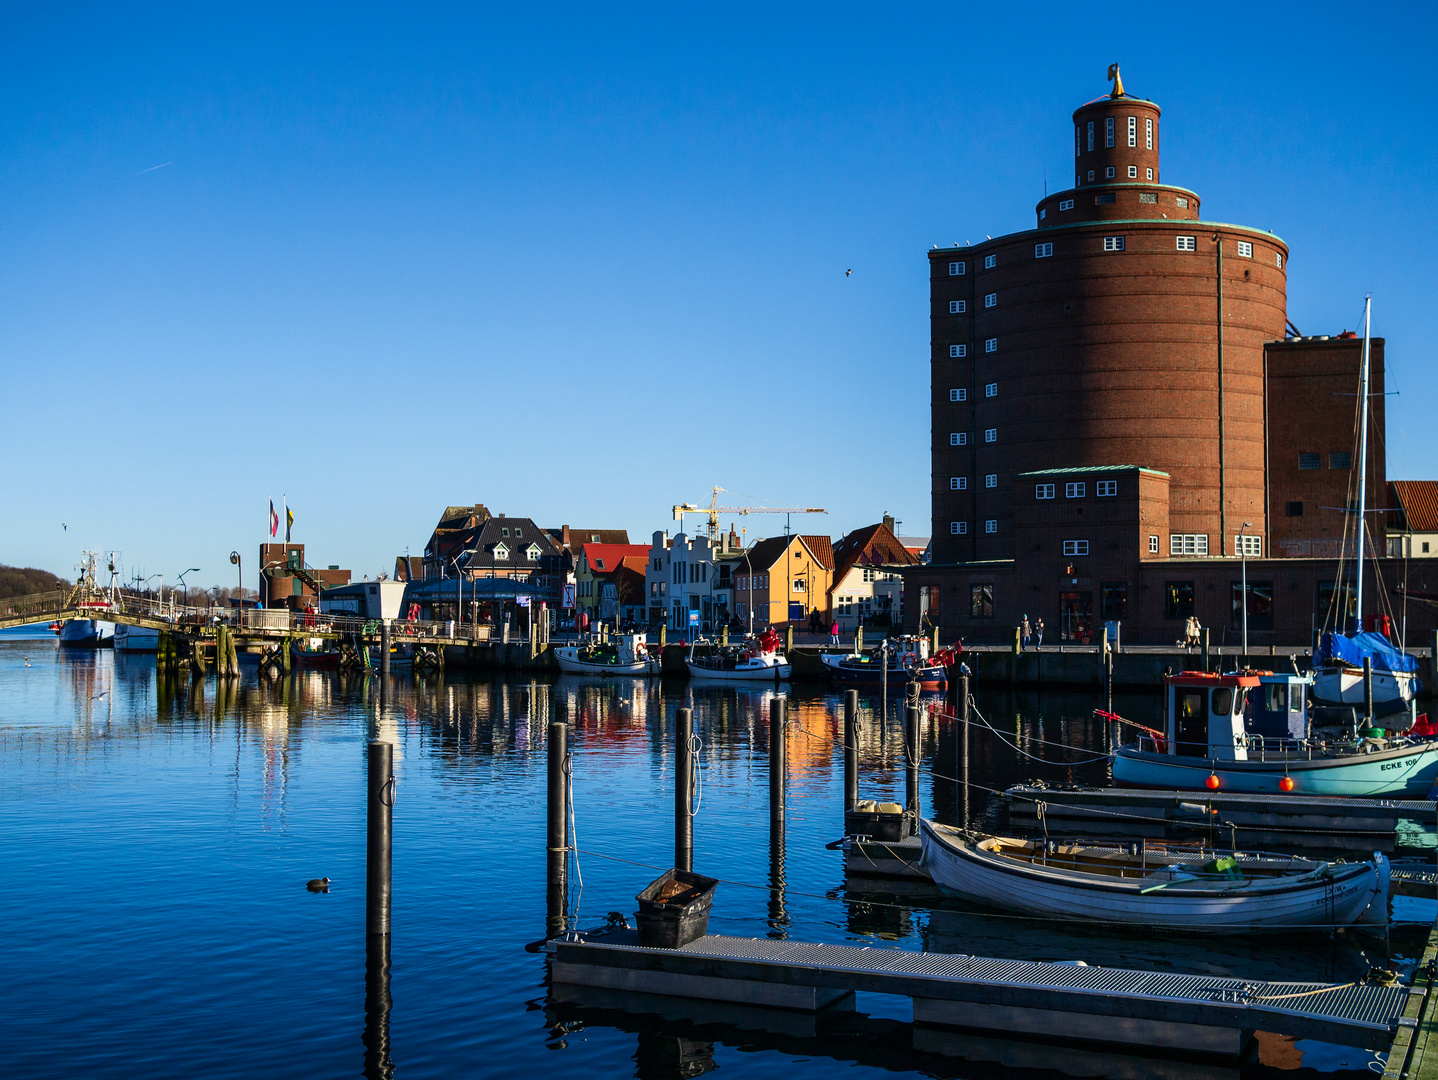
(1360, 1015)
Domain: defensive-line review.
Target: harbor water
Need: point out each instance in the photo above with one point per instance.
(158, 837)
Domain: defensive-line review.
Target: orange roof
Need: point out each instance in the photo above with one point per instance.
(822, 548)
(605, 558)
(873, 545)
(1419, 502)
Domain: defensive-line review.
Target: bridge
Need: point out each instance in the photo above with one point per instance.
(199, 635)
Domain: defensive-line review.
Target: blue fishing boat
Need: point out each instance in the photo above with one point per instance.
(1247, 732)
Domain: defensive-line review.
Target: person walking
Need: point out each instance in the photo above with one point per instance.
(1038, 631)
(834, 632)
(1026, 632)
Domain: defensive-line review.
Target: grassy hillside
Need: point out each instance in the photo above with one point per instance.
(20, 581)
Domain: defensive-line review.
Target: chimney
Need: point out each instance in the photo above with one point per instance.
(889, 522)
(564, 536)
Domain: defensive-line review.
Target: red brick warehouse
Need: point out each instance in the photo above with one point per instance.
(1124, 331)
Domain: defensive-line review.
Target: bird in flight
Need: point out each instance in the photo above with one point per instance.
(848, 272)
(102, 693)
(64, 526)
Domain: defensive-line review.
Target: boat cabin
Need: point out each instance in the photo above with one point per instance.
(1278, 709)
(631, 648)
(1205, 714)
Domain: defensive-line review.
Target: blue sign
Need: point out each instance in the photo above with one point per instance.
(796, 612)
(693, 617)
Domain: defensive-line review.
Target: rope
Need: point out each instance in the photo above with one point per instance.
(696, 746)
(573, 831)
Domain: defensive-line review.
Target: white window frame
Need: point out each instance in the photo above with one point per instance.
(1075, 547)
(958, 483)
(991, 434)
(991, 480)
(1279, 257)
(1076, 489)
(501, 553)
(1108, 127)
(1078, 139)
(1043, 491)
(1180, 544)
(957, 269)
(1109, 173)
(991, 526)
(991, 300)
(990, 261)
(1090, 137)
(958, 351)
(959, 393)
(1133, 131)
(1245, 249)
(1113, 243)
(1152, 544)
(1066, 204)
(1044, 251)
(1105, 489)
(1149, 122)
(1133, 172)
(1186, 243)
(1248, 545)
(991, 389)
(1150, 174)
(958, 307)
(958, 438)
(1090, 176)
(991, 345)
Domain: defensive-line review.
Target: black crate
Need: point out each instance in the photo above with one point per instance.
(879, 826)
(684, 917)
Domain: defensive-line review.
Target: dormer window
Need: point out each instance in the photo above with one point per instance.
(501, 553)
(533, 552)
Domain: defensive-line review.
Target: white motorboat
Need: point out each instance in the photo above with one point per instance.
(92, 631)
(627, 654)
(136, 639)
(1150, 884)
(757, 660)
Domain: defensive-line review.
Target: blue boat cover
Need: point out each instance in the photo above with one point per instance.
(1353, 648)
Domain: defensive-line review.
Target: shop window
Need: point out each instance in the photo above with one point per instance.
(1177, 599)
(1260, 605)
(1113, 600)
(981, 601)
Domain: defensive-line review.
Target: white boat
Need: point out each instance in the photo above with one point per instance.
(757, 660)
(627, 654)
(92, 632)
(1215, 739)
(1153, 885)
(136, 639)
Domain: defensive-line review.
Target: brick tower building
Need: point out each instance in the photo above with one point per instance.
(1121, 330)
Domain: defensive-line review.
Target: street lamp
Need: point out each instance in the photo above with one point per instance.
(191, 570)
(240, 596)
(1243, 569)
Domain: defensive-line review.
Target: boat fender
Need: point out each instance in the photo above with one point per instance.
(890, 808)
(1195, 808)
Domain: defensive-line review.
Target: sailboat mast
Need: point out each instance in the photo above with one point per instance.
(1363, 456)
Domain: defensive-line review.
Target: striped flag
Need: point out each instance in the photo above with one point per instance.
(289, 521)
(274, 519)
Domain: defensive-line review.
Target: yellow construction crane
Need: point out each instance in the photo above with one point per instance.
(713, 510)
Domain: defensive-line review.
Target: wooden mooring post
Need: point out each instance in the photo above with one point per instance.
(557, 833)
(684, 789)
(777, 764)
(851, 749)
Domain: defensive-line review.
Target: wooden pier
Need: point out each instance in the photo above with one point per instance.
(1071, 1003)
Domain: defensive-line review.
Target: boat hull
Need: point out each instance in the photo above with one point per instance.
(1343, 685)
(136, 639)
(1403, 772)
(569, 662)
(930, 677)
(1337, 896)
(87, 634)
(768, 673)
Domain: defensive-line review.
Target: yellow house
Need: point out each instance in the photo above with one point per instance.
(781, 581)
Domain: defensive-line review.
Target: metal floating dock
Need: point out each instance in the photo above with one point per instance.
(1289, 820)
(1190, 1013)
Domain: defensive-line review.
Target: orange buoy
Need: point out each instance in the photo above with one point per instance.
(1286, 784)
(1212, 782)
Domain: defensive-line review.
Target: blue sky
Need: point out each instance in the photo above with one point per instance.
(583, 264)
